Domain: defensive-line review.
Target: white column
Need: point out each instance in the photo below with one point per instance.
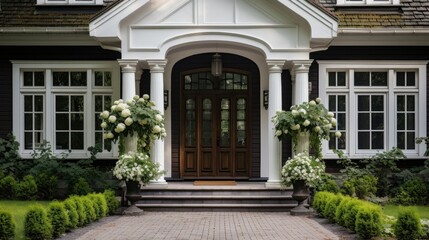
(157, 95)
(300, 71)
(128, 78)
(274, 104)
(300, 95)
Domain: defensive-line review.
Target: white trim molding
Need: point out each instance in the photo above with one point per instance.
(70, 2)
(367, 2)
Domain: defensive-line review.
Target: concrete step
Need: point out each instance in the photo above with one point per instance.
(243, 197)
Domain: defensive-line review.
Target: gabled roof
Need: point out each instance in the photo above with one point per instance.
(24, 13)
(411, 14)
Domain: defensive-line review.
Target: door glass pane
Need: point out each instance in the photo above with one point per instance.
(38, 103)
(241, 122)
(77, 121)
(62, 103)
(76, 103)
(410, 103)
(28, 103)
(38, 121)
(190, 123)
(377, 103)
(363, 103)
(363, 121)
(207, 122)
(62, 121)
(400, 103)
(225, 122)
(28, 121)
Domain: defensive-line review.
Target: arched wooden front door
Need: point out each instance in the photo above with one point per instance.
(215, 125)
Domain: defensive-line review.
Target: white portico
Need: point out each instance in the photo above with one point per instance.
(274, 35)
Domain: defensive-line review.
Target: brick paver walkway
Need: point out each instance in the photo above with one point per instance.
(210, 225)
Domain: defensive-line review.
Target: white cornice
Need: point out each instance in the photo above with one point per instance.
(382, 37)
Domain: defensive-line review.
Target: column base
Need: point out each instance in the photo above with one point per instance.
(273, 184)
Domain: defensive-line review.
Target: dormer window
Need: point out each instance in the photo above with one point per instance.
(70, 2)
(367, 2)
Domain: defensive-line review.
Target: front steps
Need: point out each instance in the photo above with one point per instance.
(184, 196)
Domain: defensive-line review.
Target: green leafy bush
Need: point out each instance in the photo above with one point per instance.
(58, 218)
(368, 221)
(416, 190)
(331, 207)
(81, 187)
(46, 186)
(7, 226)
(348, 188)
(89, 209)
(319, 201)
(8, 187)
(100, 204)
(37, 225)
(27, 189)
(112, 202)
(10, 162)
(80, 209)
(408, 225)
(330, 185)
(365, 186)
(70, 207)
(341, 211)
(350, 214)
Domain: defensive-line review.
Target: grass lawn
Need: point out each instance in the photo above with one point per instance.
(392, 210)
(18, 209)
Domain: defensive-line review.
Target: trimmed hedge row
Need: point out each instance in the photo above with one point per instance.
(64, 216)
(7, 226)
(359, 216)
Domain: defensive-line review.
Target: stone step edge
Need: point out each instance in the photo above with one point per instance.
(209, 205)
(214, 197)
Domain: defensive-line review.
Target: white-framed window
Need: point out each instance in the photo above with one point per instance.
(367, 2)
(70, 2)
(60, 102)
(378, 105)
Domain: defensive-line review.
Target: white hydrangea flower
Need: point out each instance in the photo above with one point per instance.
(103, 125)
(112, 119)
(306, 123)
(125, 113)
(338, 134)
(312, 103)
(278, 133)
(129, 121)
(158, 117)
(145, 97)
(156, 129)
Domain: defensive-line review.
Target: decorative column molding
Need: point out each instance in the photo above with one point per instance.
(300, 94)
(275, 69)
(157, 95)
(128, 68)
(300, 72)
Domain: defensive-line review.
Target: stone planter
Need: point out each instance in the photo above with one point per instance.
(300, 194)
(133, 195)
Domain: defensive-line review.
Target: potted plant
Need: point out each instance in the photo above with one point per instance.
(135, 169)
(137, 117)
(310, 119)
(302, 171)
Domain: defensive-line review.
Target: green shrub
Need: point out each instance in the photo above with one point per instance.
(330, 186)
(37, 225)
(100, 204)
(341, 211)
(81, 187)
(417, 191)
(331, 207)
(112, 203)
(89, 209)
(8, 187)
(408, 225)
(365, 186)
(319, 201)
(368, 221)
(348, 188)
(350, 214)
(10, 163)
(7, 226)
(80, 209)
(27, 189)
(58, 218)
(46, 186)
(70, 207)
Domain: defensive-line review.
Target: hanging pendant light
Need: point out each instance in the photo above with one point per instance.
(216, 65)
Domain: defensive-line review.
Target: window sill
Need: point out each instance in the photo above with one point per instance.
(363, 8)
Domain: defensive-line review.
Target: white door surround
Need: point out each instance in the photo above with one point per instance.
(275, 35)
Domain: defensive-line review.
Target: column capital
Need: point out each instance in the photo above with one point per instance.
(128, 65)
(157, 66)
(301, 65)
(275, 66)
